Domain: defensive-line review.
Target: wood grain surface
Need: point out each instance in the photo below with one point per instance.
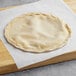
(72, 4)
(8, 65)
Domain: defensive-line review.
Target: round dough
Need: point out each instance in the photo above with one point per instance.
(37, 32)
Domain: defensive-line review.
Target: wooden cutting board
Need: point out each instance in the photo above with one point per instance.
(8, 65)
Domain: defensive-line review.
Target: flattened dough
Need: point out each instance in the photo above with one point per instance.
(37, 32)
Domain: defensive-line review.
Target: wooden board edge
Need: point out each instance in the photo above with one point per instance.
(1, 9)
(61, 58)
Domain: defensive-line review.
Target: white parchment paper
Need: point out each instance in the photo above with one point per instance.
(56, 7)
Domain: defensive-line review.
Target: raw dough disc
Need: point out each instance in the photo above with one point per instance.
(37, 32)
